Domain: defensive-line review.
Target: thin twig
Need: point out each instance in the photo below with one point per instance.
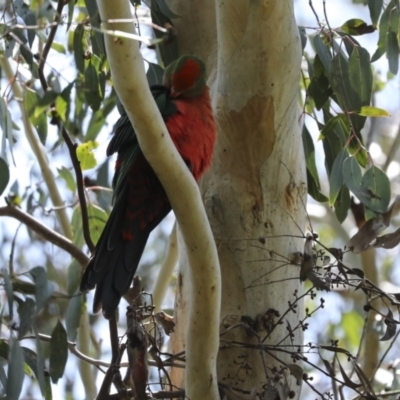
(70, 144)
(52, 236)
(48, 44)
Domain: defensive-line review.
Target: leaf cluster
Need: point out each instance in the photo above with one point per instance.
(339, 89)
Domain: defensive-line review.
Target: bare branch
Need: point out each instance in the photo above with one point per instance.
(52, 236)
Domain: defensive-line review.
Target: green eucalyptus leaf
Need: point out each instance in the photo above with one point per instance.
(342, 204)
(335, 134)
(4, 175)
(314, 189)
(353, 177)
(43, 288)
(375, 8)
(79, 53)
(361, 74)
(97, 220)
(39, 120)
(323, 52)
(309, 153)
(369, 111)
(15, 370)
(392, 52)
(26, 312)
(336, 179)
(376, 183)
(357, 149)
(30, 20)
(383, 29)
(73, 277)
(8, 286)
(73, 316)
(67, 176)
(92, 87)
(372, 189)
(58, 352)
(340, 81)
(98, 40)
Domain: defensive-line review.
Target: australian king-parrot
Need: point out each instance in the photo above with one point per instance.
(140, 202)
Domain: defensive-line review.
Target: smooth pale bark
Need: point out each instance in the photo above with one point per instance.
(203, 268)
(255, 192)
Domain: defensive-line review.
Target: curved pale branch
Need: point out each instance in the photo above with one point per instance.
(47, 233)
(131, 85)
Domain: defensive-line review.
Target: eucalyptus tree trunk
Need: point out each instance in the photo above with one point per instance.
(255, 192)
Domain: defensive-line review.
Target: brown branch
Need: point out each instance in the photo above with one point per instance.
(92, 361)
(79, 184)
(57, 121)
(108, 379)
(52, 236)
(49, 42)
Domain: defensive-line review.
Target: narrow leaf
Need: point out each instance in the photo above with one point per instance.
(309, 153)
(4, 175)
(342, 204)
(335, 134)
(73, 277)
(73, 316)
(383, 29)
(26, 312)
(67, 176)
(375, 8)
(314, 189)
(392, 52)
(347, 97)
(9, 292)
(30, 20)
(336, 179)
(15, 371)
(323, 52)
(346, 379)
(357, 149)
(78, 48)
(58, 352)
(361, 74)
(92, 88)
(43, 288)
(369, 111)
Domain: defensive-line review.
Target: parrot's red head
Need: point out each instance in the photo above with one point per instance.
(186, 77)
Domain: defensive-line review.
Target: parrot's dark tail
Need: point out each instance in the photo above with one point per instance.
(112, 272)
